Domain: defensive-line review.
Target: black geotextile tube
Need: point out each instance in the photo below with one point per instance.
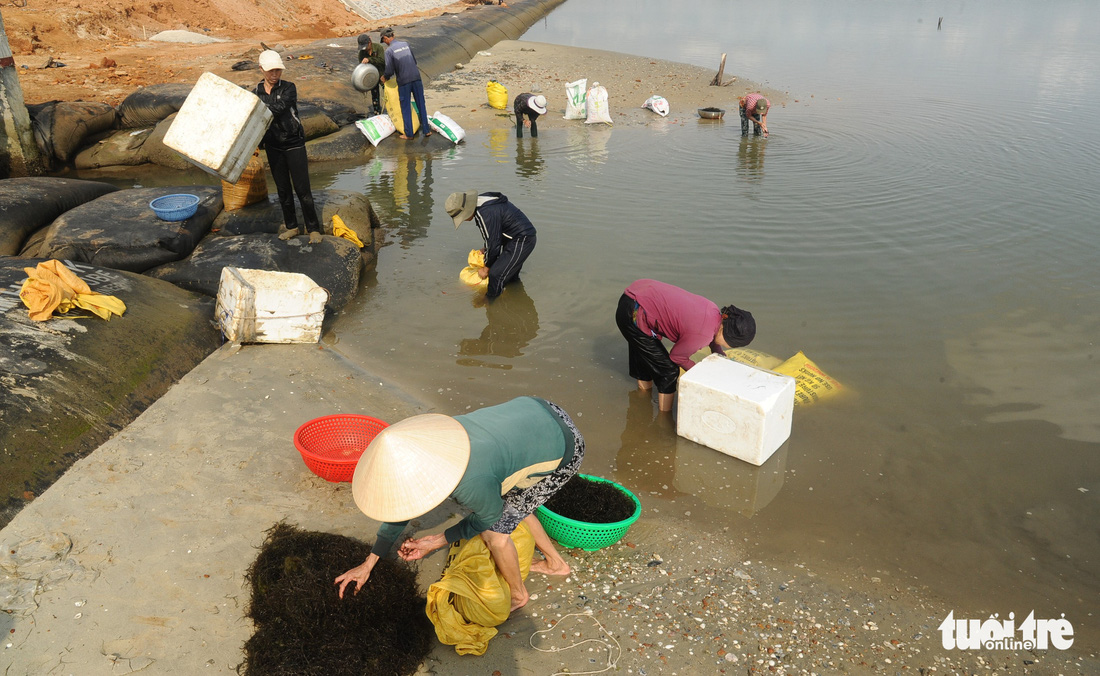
(28, 204)
(146, 106)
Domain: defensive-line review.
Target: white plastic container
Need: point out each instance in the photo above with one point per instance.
(736, 409)
(260, 306)
(218, 127)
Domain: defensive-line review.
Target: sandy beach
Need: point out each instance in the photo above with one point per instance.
(134, 560)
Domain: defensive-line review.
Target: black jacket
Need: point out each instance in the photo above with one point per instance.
(500, 221)
(286, 130)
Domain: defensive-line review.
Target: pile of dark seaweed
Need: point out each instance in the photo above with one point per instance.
(303, 628)
(590, 501)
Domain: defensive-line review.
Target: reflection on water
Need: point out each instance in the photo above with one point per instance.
(529, 162)
(750, 159)
(513, 322)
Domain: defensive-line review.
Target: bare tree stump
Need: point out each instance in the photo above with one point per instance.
(717, 81)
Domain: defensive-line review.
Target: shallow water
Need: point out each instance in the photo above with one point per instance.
(921, 223)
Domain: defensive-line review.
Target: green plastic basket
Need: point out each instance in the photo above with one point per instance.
(588, 536)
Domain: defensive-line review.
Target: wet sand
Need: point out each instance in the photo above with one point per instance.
(165, 517)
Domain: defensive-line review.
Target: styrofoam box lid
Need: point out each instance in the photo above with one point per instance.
(737, 379)
(212, 117)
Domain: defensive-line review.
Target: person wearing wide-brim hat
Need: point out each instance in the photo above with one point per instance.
(754, 107)
(500, 462)
(528, 107)
(508, 234)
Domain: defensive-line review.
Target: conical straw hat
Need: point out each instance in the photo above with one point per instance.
(410, 467)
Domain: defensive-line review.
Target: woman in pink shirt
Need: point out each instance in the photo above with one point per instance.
(650, 310)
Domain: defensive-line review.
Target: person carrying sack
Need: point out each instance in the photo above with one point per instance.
(401, 63)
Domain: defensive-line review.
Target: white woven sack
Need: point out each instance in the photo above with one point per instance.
(575, 93)
(657, 104)
(446, 126)
(596, 105)
(376, 128)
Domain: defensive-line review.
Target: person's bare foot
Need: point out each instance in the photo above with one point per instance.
(519, 602)
(546, 568)
(403, 137)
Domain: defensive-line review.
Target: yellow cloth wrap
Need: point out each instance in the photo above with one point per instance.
(341, 230)
(476, 261)
(53, 287)
(472, 598)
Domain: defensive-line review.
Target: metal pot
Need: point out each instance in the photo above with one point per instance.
(364, 77)
(711, 113)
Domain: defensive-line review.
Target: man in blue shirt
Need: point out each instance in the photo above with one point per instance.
(508, 234)
(401, 63)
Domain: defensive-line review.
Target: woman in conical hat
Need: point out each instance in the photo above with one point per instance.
(500, 462)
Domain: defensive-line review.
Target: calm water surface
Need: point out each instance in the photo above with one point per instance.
(921, 223)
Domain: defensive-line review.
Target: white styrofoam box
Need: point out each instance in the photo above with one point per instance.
(218, 127)
(734, 408)
(261, 306)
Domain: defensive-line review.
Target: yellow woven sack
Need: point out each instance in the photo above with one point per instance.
(475, 261)
(250, 188)
(745, 355)
(393, 109)
(811, 383)
(498, 95)
(472, 598)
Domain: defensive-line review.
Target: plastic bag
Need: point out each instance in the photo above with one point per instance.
(498, 95)
(575, 95)
(376, 128)
(474, 262)
(812, 384)
(596, 105)
(393, 109)
(446, 126)
(657, 104)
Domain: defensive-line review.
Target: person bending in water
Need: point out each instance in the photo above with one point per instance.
(501, 462)
(508, 234)
(650, 310)
(754, 107)
(528, 107)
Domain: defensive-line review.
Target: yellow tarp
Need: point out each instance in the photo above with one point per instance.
(472, 598)
(53, 287)
(341, 230)
(475, 261)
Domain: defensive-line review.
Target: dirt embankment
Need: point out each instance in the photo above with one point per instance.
(107, 54)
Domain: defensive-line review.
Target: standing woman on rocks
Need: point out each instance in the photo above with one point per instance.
(285, 144)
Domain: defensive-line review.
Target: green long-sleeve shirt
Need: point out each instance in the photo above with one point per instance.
(516, 443)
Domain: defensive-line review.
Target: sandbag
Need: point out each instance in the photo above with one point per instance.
(120, 231)
(446, 126)
(575, 95)
(393, 109)
(70, 384)
(250, 188)
(354, 208)
(595, 103)
(315, 122)
(60, 127)
(376, 128)
(147, 106)
(469, 274)
(497, 94)
(334, 264)
(346, 144)
(657, 104)
(29, 204)
(811, 383)
(121, 148)
(747, 355)
(154, 150)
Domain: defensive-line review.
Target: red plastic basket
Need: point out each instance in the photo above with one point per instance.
(331, 445)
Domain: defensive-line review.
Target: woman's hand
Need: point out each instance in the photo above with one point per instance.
(360, 574)
(483, 273)
(411, 550)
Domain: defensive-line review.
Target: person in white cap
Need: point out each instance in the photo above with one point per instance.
(285, 145)
(508, 234)
(500, 462)
(528, 107)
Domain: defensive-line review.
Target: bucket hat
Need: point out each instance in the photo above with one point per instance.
(410, 467)
(270, 60)
(537, 104)
(761, 106)
(460, 206)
